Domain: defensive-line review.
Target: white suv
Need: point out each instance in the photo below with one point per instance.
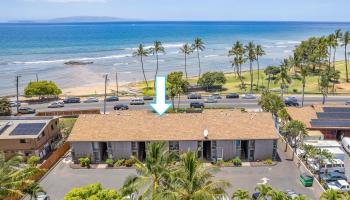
(137, 101)
(341, 185)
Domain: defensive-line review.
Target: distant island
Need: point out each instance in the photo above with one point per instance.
(75, 19)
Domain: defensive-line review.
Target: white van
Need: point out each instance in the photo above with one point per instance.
(346, 144)
(335, 165)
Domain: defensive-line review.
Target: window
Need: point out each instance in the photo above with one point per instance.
(23, 141)
(252, 144)
(27, 153)
(174, 146)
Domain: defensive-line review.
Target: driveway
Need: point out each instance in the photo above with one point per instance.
(61, 179)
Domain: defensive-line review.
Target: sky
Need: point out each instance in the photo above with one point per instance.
(215, 10)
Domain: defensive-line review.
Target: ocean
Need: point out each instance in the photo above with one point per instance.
(42, 49)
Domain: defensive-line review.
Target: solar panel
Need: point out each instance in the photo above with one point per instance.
(333, 115)
(28, 129)
(330, 123)
(336, 109)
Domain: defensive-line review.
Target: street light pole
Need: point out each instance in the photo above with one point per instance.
(116, 82)
(17, 93)
(105, 101)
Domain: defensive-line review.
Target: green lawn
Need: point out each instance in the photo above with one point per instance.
(233, 83)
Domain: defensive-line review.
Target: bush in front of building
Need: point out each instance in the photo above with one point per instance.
(237, 161)
(84, 162)
(33, 161)
(129, 162)
(110, 162)
(268, 162)
(119, 163)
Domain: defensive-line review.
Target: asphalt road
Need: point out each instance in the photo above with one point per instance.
(250, 104)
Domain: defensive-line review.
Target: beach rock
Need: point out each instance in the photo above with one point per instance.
(77, 63)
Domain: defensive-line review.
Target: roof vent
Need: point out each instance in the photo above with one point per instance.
(205, 133)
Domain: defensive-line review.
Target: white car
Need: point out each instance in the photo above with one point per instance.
(91, 100)
(211, 99)
(14, 103)
(137, 101)
(56, 104)
(248, 96)
(42, 197)
(341, 185)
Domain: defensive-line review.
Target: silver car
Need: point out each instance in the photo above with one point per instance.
(248, 96)
(56, 104)
(211, 99)
(91, 100)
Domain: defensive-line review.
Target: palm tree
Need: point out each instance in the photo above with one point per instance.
(186, 50)
(156, 49)
(277, 195)
(337, 36)
(33, 190)
(300, 197)
(193, 180)
(331, 42)
(151, 174)
(304, 72)
(346, 40)
(331, 195)
(251, 56)
(324, 84)
(14, 176)
(263, 190)
(296, 129)
(238, 52)
(283, 77)
(198, 45)
(142, 52)
(241, 194)
(259, 51)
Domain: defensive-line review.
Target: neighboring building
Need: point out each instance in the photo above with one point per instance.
(28, 136)
(216, 134)
(332, 121)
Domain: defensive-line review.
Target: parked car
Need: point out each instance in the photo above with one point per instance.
(147, 98)
(346, 144)
(347, 102)
(26, 110)
(121, 107)
(291, 193)
(340, 185)
(194, 96)
(256, 195)
(291, 101)
(42, 197)
(248, 96)
(211, 99)
(333, 176)
(56, 104)
(216, 96)
(335, 165)
(71, 100)
(112, 98)
(14, 103)
(91, 100)
(197, 104)
(137, 101)
(232, 96)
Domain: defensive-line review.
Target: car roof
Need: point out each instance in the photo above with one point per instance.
(343, 182)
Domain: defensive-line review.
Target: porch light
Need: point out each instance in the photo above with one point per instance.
(205, 133)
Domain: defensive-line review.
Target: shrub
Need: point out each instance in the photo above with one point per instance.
(119, 163)
(84, 162)
(129, 162)
(268, 162)
(110, 162)
(295, 90)
(33, 161)
(220, 163)
(237, 161)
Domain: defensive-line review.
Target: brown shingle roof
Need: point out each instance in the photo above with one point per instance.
(146, 126)
(304, 114)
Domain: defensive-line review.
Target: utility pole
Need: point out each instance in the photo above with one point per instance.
(37, 77)
(17, 92)
(105, 101)
(116, 82)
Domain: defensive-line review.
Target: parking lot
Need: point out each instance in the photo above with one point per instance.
(282, 176)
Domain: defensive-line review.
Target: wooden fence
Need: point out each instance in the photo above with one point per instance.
(69, 112)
